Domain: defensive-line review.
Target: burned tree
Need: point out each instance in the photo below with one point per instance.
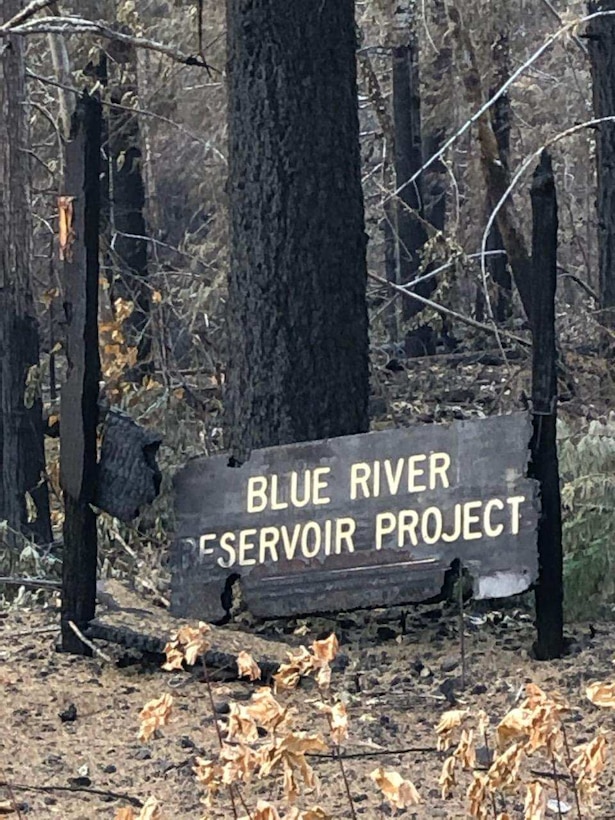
(544, 465)
(127, 197)
(80, 213)
(298, 346)
(601, 36)
(22, 458)
(411, 230)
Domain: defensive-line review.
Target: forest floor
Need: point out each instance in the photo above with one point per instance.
(69, 747)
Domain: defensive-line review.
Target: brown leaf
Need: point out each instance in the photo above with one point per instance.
(535, 802)
(447, 780)
(448, 723)
(154, 714)
(265, 709)
(247, 666)
(399, 792)
(478, 807)
(517, 723)
(601, 694)
(327, 649)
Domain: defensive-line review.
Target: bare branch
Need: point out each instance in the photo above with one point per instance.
(78, 25)
(447, 312)
(25, 14)
(569, 27)
(141, 111)
(529, 160)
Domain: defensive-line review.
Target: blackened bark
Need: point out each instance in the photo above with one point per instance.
(79, 400)
(22, 457)
(602, 57)
(298, 344)
(126, 196)
(544, 464)
(501, 117)
(411, 231)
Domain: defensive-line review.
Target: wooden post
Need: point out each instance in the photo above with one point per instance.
(79, 399)
(544, 464)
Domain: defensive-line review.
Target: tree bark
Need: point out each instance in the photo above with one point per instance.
(544, 464)
(127, 203)
(298, 344)
(601, 35)
(79, 402)
(411, 232)
(22, 456)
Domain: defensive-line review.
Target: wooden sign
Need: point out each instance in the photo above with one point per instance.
(368, 520)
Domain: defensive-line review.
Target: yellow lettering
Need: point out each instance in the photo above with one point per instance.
(290, 544)
(276, 504)
(469, 519)
(359, 476)
(328, 531)
(294, 493)
(268, 541)
(414, 472)
(344, 530)
(439, 464)
(449, 537)
(229, 549)
(376, 483)
(515, 502)
(393, 479)
(407, 523)
(385, 525)
(488, 527)
(257, 494)
(244, 547)
(313, 550)
(319, 484)
(203, 548)
(436, 514)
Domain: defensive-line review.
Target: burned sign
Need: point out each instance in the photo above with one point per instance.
(368, 520)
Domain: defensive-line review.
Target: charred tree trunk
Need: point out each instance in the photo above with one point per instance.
(411, 232)
(298, 357)
(602, 53)
(544, 464)
(79, 401)
(127, 200)
(22, 456)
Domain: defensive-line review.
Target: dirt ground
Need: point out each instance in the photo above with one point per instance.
(69, 746)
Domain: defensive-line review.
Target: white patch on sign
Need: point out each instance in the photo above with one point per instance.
(502, 584)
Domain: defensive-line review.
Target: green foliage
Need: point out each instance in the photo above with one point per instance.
(587, 467)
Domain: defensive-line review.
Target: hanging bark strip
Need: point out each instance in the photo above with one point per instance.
(79, 400)
(544, 464)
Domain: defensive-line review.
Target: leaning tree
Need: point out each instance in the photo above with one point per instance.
(298, 340)
(22, 460)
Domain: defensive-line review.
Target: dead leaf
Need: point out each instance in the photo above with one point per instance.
(448, 723)
(517, 723)
(601, 694)
(399, 792)
(535, 802)
(247, 666)
(327, 649)
(154, 714)
(447, 779)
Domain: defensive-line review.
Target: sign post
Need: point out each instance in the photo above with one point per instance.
(374, 519)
